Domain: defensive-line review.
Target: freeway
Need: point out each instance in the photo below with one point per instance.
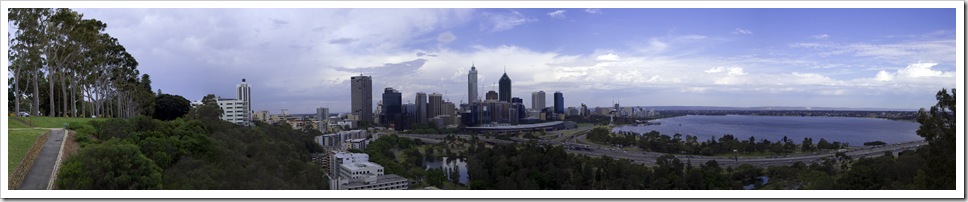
(575, 143)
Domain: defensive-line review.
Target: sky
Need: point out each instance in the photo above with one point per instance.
(301, 59)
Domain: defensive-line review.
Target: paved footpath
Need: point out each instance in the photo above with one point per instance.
(39, 176)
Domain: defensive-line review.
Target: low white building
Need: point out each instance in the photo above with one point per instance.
(353, 171)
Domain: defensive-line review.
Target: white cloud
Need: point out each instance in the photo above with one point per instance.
(716, 70)
(742, 31)
(736, 71)
(884, 76)
(505, 21)
(593, 10)
(558, 14)
(923, 70)
(820, 36)
(898, 52)
(731, 71)
(446, 37)
(608, 57)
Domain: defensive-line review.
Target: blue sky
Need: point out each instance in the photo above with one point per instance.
(300, 59)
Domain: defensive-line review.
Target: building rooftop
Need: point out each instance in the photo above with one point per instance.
(360, 165)
(379, 180)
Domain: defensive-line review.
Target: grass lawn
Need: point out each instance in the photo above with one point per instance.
(20, 141)
(16, 124)
(52, 122)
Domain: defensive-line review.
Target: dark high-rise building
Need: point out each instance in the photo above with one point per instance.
(504, 88)
(521, 114)
(559, 103)
(420, 107)
(392, 108)
(491, 95)
(472, 85)
(361, 91)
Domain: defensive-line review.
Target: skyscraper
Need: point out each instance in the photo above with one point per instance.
(322, 118)
(245, 95)
(472, 85)
(504, 87)
(361, 90)
(559, 103)
(435, 107)
(491, 95)
(538, 100)
(421, 107)
(392, 108)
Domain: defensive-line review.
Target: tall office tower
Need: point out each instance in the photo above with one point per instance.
(518, 104)
(435, 106)
(322, 116)
(584, 110)
(245, 95)
(559, 103)
(504, 86)
(392, 107)
(421, 107)
(361, 90)
(538, 100)
(491, 95)
(472, 85)
(449, 109)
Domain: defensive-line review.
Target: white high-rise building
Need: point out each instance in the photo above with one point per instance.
(238, 111)
(244, 93)
(472, 85)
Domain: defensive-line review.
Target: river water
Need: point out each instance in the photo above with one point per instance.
(855, 131)
(448, 164)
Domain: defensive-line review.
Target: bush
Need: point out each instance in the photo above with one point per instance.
(110, 165)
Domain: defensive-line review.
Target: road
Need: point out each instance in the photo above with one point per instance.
(40, 174)
(577, 144)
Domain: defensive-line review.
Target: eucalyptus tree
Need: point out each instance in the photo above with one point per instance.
(27, 43)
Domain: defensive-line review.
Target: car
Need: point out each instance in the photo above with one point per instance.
(24, 114)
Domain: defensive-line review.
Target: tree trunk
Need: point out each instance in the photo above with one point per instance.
(64, 94)
(35, 106)
(16, 89)
(50, 93)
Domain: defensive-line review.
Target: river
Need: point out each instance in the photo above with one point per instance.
(851, 130)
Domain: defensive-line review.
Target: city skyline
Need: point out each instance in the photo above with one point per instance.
(302, 59)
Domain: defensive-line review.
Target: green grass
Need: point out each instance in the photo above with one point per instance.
(16, 124)
(52, 122)
(19, 142)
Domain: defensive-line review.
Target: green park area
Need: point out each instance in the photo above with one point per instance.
(45, 122)
(19, 142)
(23, 131)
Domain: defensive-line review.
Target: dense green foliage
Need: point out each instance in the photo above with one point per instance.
(533, 167)
(938, 128)
(728, 144)
(169, 107)
(110, 165)
(874, 143)
(203, 153)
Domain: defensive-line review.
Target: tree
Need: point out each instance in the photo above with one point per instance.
(28, 42)
(169, 107)
(806, 145)
(938, 128)
(110, 165)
